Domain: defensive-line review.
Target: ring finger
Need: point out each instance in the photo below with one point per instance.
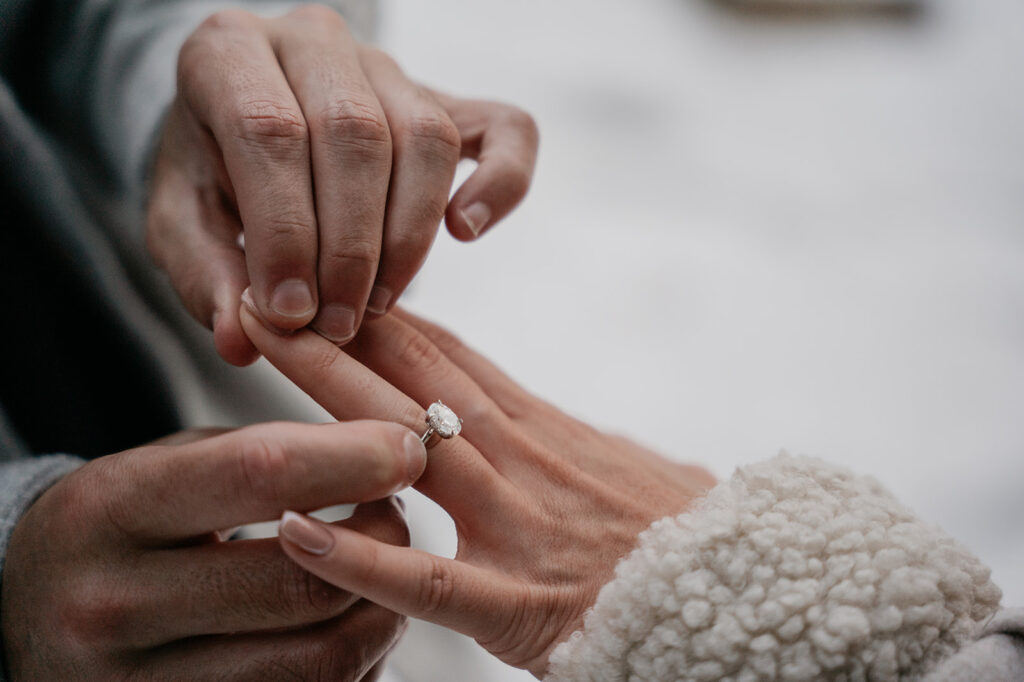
(348, 390)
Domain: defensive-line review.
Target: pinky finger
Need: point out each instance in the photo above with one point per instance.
(503, 140)
(447, 592)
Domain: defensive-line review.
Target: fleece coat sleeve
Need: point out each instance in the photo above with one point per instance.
(794, 569)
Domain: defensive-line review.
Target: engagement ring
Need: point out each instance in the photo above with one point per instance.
(442, 421)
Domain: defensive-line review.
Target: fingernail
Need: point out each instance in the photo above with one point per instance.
(379, 299)
(249, 303)
(240, 241)
(415, 454)
(292, 298)
(336, 323)
(307, 533)
(476, 216)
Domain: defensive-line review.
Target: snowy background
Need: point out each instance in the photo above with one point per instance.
(752, 230)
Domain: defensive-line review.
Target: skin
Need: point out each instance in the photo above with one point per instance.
(119, 571)
(544, 505)
(335, 166)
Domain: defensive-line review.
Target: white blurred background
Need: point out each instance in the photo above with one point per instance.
(752, 230)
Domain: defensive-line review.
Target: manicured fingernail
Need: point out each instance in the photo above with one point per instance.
(292, 298)
(379, 299)
(416, 455)
(309, 534)
(476, 217)
(336, 323)
(249, 303)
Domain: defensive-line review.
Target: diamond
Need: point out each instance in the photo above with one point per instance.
(445, 422)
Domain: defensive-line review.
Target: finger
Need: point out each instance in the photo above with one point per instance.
(426, 153)
(408, 360)
(233, 82)
(348, 390)
(513, 400)
(189, 436)
(343, 649)
(449, 593)
(545, 423)
(503, 140)
(250, 475)
(238, 586)
(351, 155)
(192, 238)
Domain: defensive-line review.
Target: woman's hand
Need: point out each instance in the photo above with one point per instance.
(543, 504)
(335, 166)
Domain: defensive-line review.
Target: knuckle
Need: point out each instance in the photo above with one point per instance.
(209, 37)
(262, 464)
(97, 613)
(393, 531)
(270, 123)
(406, 252)
(436, 588)
(319, 15)
(354, 249)
(229, 19)
(434, 131)
(330, 663)
(324, 358)
(522, 121)
(448, 342)
(419, 353)
(284, 229)
(307, 596)
(356, 127)
(119, 507)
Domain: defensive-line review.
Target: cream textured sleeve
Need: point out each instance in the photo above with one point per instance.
(794, 569)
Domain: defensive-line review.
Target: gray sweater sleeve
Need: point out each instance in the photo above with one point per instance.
(23, 479)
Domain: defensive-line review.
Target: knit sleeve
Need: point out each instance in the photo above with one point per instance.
(794, 569)
(22, 480)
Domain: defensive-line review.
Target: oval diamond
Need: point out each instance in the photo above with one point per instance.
(445, 422)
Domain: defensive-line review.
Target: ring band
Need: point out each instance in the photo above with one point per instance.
(442, 421)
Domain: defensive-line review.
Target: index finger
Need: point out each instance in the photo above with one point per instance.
(232, 80)
(251, 475)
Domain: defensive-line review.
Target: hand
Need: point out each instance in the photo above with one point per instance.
(118, 572)
(335, 165)
(544, 505)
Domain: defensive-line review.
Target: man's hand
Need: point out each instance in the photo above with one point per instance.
(335, 166)
(118, 573)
